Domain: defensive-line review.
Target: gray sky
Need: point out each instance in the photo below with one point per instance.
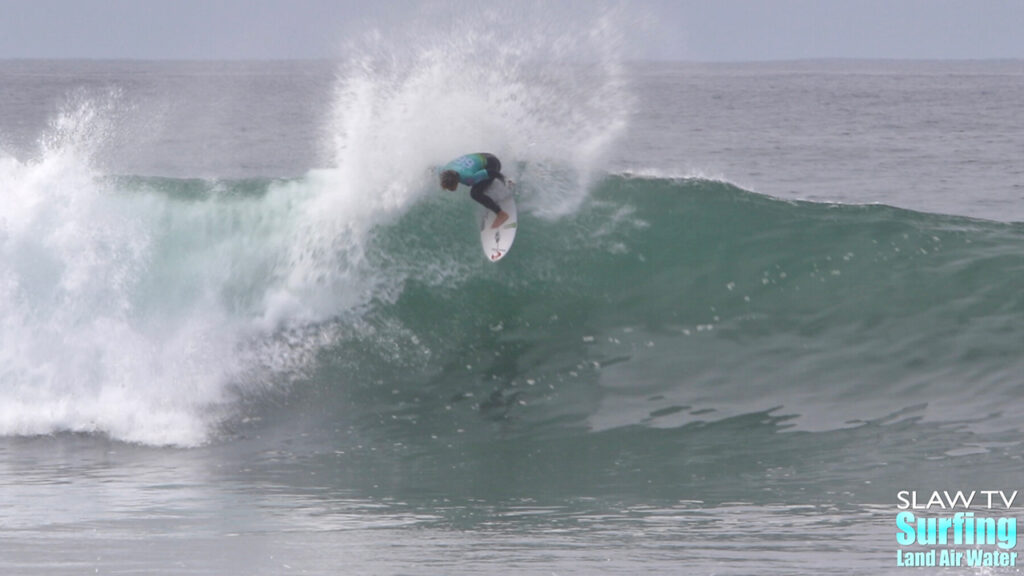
(703, 30)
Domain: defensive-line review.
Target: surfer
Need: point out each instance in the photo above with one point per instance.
(476, 171)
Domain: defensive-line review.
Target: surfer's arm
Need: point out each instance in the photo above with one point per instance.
(476, 178)
(494, 174)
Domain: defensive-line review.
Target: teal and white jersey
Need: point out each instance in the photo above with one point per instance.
(471, 168)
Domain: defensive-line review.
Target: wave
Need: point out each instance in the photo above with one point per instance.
(668, 302)
(671, 337)
(151, 310)
(146, 308)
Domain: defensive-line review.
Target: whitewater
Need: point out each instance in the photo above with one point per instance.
(243, 330)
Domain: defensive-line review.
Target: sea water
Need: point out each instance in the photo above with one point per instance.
(242, 331)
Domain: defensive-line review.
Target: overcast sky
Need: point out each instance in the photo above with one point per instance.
(700, 30)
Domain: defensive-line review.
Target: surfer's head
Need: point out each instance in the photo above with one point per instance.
(449, 180)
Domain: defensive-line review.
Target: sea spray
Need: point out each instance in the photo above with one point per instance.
(75, 355)
(546, 93)
(135, 307)
(550, 99)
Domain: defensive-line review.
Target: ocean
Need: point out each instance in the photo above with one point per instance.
(751, 310)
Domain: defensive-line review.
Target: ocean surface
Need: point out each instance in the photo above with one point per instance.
(243, 331)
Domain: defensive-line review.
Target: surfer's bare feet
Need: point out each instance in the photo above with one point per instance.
(499, 219)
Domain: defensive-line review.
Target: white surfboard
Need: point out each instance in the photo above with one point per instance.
(497, 241)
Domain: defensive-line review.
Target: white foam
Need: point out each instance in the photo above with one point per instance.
(73, 355)
(662, 174)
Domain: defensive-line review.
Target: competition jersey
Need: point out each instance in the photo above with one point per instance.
(471, 168)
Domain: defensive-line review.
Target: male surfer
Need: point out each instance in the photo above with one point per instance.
(476, 171)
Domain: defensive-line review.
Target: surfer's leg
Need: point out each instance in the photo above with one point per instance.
(499, 219)
(477, 192)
